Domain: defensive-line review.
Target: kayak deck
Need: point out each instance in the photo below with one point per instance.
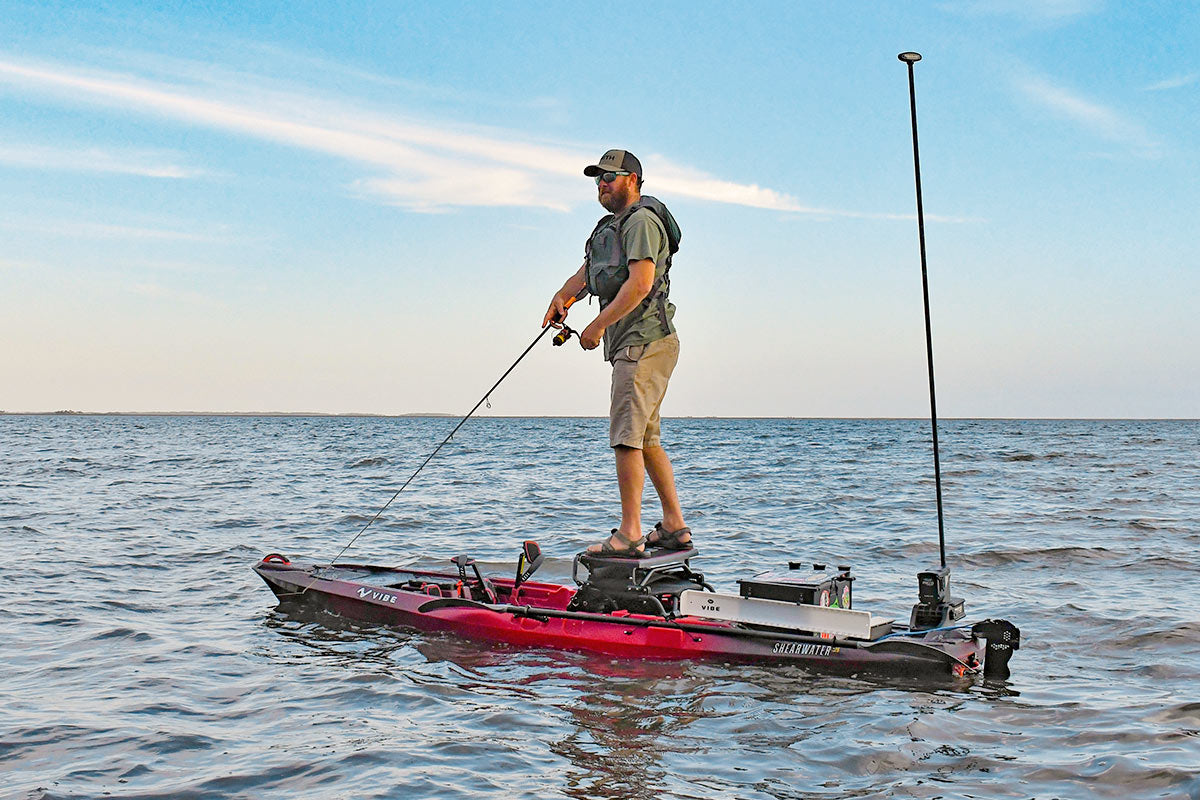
(537, 614)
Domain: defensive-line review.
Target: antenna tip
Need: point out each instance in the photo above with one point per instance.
(909, 57)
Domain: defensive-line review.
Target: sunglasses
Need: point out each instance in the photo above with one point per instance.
(609, 177)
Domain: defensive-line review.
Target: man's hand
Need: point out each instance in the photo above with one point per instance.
(557, 312)
(632, 292)
(589, 338)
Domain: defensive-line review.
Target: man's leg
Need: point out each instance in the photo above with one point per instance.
(640, 376)
(631, 478)
(626, 421)
(662, 475)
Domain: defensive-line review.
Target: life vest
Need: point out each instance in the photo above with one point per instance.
(662, 287)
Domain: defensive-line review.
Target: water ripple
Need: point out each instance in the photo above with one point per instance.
(142, 658)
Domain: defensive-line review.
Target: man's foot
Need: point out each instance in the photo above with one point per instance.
(611, 547)
(669, 540)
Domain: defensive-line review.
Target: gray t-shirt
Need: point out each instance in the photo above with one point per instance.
(642, 236)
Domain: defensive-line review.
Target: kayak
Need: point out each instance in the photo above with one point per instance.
(655, 607)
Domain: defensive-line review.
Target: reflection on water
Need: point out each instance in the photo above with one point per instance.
(623, 718)
(633, 729)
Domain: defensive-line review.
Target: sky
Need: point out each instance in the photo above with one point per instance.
(366, 207)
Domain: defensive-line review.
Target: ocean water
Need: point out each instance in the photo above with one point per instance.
(141, 658)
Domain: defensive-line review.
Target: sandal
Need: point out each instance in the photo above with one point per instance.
(608, 551)
(669, 540)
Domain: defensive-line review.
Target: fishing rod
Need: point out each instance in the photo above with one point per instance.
(559, 339)
(910, 58)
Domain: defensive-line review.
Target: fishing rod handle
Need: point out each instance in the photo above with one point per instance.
(571, 300)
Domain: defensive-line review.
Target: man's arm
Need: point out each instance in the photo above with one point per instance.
(557, 312)
(633, 291)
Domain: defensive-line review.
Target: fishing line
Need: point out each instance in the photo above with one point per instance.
(461, 422)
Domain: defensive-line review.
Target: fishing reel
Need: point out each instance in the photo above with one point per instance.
(563, 336)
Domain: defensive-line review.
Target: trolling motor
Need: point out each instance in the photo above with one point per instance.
(1002, 638)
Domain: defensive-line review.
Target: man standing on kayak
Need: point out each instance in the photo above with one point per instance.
(626, 261)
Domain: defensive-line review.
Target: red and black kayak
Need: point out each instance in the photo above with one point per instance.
(655, 607)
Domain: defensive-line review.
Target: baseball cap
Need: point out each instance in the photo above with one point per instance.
(615, 161)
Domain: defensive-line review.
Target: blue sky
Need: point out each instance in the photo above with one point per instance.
(365, 208)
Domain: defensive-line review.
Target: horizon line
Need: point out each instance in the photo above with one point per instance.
(447, 415)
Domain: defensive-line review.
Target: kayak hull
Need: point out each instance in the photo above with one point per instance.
(538, 617)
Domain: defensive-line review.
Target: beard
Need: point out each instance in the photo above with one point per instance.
(617, 199)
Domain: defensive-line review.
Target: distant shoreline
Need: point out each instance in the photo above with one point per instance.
(443, 415)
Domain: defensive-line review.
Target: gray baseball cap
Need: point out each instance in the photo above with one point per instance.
(615, 161)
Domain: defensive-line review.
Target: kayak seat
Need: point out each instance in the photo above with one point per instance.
(653, 558)
(647, 585)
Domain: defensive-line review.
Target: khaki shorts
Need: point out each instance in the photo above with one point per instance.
(639, 382)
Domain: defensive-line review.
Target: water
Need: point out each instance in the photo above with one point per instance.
(142, 658)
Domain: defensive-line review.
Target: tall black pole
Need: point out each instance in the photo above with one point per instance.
(910, 59)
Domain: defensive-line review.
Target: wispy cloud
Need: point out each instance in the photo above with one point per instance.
(1095, 118)
(340, 73)
(422, 166)
(93, 159)
(1174, 83)
(82, 229)
(677, 180)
